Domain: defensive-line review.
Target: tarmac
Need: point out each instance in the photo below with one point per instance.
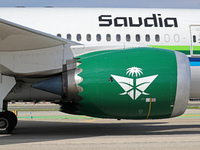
(52, 130)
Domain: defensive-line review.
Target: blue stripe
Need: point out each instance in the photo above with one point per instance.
(194, 59)
(194, 63)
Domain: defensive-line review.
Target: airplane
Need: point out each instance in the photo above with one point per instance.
(117, 63)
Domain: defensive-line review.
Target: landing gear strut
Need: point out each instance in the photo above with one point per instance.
(8, 121)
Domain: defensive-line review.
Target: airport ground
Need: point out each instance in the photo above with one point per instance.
(52, 130)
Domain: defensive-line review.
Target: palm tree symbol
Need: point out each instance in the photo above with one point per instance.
(134, 72)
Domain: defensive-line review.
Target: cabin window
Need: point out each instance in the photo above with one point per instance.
(78, 37)
(137, 37)
(59, 35)
(88, 37)
(118, 37)
(69, 36)
(98, 37)
(157, 38)
(194, 39)
(108, 37)
(167, 38)
(147, 37)
(128, 38)
(176, 38)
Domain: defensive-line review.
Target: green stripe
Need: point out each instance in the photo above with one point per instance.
(176, 47)
(172, 47)
(180, 48)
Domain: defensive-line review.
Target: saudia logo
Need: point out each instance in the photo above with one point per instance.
(153, 21)
(134, 86)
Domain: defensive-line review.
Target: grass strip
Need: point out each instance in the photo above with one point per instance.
(34, 109)
(193, 107)
(189, 107)
(189, 116)
(56, 117)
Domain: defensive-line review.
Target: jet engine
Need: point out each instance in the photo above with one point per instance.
(136, 83)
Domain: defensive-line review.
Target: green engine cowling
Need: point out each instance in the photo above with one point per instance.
(138, 83)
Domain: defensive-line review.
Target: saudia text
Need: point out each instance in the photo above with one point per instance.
(156, 20)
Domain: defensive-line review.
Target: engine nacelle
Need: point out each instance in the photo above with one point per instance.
(137, 83)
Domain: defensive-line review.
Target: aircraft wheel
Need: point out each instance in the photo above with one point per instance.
(6, 122)
(14, 118)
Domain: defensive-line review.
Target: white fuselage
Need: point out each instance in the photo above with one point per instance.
(85, 21)
(97, 27)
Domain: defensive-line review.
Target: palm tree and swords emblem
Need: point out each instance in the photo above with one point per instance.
(134, 86)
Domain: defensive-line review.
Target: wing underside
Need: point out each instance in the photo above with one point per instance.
(14, 37)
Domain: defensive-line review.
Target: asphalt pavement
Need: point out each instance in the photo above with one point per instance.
(52, 130)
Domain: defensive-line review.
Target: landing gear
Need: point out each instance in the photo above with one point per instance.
(14, 118)
(8, 121)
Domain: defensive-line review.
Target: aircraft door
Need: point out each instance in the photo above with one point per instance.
(195, 40)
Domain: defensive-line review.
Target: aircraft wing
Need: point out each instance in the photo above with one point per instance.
(14, 37)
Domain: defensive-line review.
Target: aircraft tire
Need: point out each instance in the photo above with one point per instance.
(6, 122)
(14, 118)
